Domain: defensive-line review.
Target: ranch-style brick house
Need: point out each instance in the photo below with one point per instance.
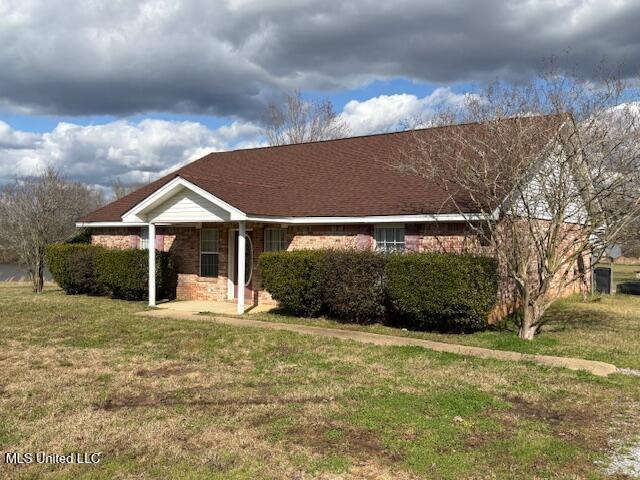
(217, 214)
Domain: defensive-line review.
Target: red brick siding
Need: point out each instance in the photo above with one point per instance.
(121, 237)
(324, 236)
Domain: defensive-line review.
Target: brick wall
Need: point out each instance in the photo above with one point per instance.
(184, 245)
(121, 237)
(314, 237)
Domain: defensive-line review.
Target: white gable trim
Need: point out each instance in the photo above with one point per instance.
(136, 213)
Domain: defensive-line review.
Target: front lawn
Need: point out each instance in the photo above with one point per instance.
(605, 328)
(194, 399)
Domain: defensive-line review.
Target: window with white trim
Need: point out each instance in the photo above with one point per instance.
(209, 252)
(144, 239)
(389, 238)
(275, 239)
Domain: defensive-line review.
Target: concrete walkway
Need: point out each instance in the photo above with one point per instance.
(597, 368)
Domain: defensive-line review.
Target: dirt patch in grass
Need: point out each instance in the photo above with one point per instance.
(341, 439)
(536, 411)
(583, 425)
(163, 372)
(200, 397)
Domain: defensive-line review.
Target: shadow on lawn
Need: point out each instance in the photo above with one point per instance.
(575, 315)
(566, 315)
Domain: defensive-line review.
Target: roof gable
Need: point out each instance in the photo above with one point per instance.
(181, 197)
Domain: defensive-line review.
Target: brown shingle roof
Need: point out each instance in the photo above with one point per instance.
(346, 177)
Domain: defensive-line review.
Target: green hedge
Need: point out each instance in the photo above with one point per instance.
(71, 266)
(294, 279)
(423, 290)
(353, 286)
(442, 291)
(125, 273)
(80, 268)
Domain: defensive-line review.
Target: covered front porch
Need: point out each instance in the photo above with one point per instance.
(216, 264)
(214, 246)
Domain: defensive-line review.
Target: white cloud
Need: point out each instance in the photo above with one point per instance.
(131, 152)
(387, 113)
(13, 139)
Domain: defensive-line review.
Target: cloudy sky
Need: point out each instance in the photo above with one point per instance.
(121, 89)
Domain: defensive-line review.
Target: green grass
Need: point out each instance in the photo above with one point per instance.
(605, 328)
(194, 399)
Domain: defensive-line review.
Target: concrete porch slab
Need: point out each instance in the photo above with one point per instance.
(218, 308)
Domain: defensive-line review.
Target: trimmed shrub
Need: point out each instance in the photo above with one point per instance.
(71, 266)
(294, 279)
(353, 287)
(125, 273)
(442, 291)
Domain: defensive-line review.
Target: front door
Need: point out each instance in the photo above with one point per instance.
(248, 267)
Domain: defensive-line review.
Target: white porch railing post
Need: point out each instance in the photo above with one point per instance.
(152, 265)
(242, 231)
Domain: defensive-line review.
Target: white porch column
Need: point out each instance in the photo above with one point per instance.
(152, 265)
(242, 231)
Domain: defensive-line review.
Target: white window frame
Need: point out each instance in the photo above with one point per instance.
(283, 245)
(393, 245)
(203, 252)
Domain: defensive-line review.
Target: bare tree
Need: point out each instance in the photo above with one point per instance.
(120, 189)
(299, 121)
(553, 168)
(38, 210)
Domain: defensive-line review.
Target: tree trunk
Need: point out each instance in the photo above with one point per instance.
(37, 277)
(530, 323)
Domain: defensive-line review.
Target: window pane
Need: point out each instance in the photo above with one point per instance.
(209, 265)
(144, 238)
(209, 240)
(389, 238)
(274, 239)
(399, 235)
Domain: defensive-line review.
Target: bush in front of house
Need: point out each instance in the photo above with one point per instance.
(353, 285)
(427, 291)
(294, 279)
(441, 291)
(71, 266)
(125, 273)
